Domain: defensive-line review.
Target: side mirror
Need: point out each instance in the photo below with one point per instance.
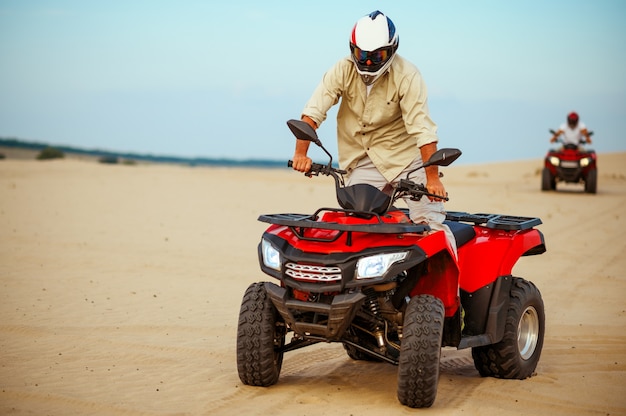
(443, 157)
(303, 131)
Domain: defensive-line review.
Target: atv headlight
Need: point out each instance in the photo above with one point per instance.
(554, 160)
(376, 266)
(584, 162)
(271, 256)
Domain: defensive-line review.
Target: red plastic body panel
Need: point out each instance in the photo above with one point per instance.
(493, 253)
(442, 278)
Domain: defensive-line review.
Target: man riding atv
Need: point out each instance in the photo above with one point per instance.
(572, 163)
(573, 132)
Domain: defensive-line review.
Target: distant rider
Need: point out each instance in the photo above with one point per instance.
(574, 131)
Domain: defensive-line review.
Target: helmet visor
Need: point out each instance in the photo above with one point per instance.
(380, 55)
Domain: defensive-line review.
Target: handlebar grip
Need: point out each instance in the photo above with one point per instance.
(437, 196)
(424, 192)
(317, 169)
(314, 168)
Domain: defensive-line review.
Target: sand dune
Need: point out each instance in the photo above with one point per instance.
(120, 289)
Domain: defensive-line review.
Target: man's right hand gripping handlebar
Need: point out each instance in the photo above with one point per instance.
(314, 168)
(301, 163)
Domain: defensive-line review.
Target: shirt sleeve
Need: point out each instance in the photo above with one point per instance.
(326, 94)
(415, 112)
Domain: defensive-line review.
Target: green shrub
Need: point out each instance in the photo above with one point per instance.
(110, 159)
(50, 153)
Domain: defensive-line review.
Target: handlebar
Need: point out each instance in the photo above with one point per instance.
(317, 169)
(559, 138)
(415, 190)
(406, 187)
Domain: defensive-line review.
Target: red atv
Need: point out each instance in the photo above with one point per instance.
(390, 290)
(571, 164)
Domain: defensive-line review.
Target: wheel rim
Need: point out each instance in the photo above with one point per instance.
(528, 332)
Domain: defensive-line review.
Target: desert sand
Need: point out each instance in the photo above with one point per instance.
(120, 289)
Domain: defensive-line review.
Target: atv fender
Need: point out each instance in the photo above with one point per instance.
(485, 313)
(442, 276)
(493, 253)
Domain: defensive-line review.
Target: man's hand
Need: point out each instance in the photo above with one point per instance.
(301, 163)
(433, 183)
(435, 186)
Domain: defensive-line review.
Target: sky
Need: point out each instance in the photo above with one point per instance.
(220, 79)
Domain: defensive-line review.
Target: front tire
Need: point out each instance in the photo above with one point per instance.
(260, 335)
(517, 354)
(420, 352)
(591, 182)
(548, 182)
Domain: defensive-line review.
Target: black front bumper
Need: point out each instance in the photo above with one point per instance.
(569, 174)
(332, 319)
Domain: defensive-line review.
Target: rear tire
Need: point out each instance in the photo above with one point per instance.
(517, 354)
(591, 182)
(260, 334)
(548, 182)
(418, 368)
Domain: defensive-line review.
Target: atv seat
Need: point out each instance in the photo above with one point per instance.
(462, 232)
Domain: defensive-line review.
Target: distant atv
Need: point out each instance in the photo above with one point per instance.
(364, 275)
(571, 164)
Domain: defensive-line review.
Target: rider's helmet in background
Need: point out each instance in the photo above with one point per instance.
(373, 45)
(572, 119)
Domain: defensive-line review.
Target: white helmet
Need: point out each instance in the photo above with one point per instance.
(373, 45)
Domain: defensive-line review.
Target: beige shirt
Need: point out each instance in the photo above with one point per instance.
(389, 125)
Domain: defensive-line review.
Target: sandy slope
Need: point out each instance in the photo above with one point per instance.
(120, 289)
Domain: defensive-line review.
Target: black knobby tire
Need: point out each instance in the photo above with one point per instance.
(260, 333)
(517, 354)
(548, 182)
(420, 351)
(591, 182)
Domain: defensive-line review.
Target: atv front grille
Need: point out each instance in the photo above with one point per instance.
(313, 272)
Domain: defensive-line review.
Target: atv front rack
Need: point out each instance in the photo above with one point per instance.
(300, 221)
(495, 221)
